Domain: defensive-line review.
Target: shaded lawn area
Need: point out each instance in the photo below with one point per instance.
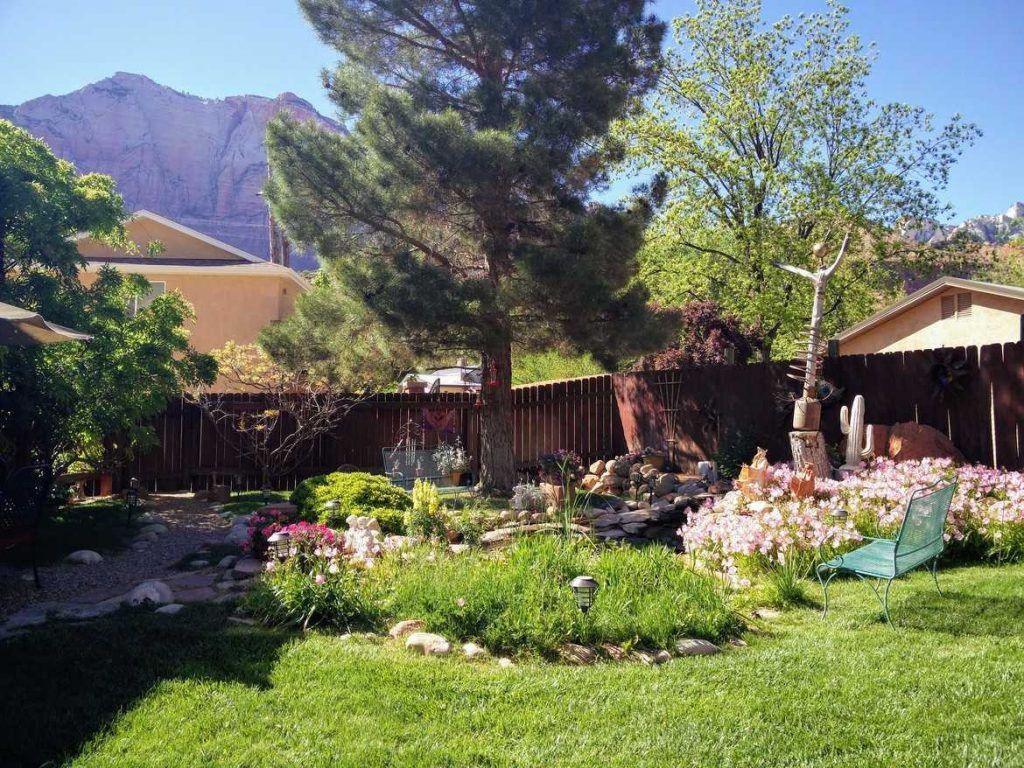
(249, 501)
(99, 525)
(946, 688)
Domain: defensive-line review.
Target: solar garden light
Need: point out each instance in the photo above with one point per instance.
(839, 517)
(333, 505)
(278, 545)
(583, 589)
(266, 489)
(131, 496)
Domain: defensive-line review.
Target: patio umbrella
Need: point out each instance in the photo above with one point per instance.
(24, 328)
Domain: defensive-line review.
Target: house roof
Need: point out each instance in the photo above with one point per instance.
(923, 294)
(224, 259)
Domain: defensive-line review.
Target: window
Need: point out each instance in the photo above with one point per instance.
(956, 306)
(155, 289)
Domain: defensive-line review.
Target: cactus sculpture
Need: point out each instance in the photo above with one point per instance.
(858, 445)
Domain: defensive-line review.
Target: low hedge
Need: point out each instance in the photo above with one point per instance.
(359, 493)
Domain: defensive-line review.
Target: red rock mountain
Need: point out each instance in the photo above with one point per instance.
(198, 161)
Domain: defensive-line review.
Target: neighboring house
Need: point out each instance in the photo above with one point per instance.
(460, 378)
(949, 312)
(234, 294)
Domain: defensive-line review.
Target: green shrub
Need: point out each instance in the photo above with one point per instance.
(359, 493)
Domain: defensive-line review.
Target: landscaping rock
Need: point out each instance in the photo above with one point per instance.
(247, 567)
(644, 656)
(158, 528)
(428, 644)
(505, 662)
(909, 441)
(766, 614)
(695, 647)
(140, 546)
(227, 562)
(407, 627)
(84, 557)
(474, 651)
(574, 653)
(170, 609)
(149, 592)
(148, 538)
(662, 657)
(598, 467)
(614, 652)
(197, 564)
(238, 535)
(244, 620)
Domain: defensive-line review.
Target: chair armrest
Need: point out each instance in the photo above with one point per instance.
(875, 538)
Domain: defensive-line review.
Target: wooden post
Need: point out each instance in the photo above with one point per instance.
(809, 448)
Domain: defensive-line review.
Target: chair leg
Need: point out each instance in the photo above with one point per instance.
(824, 585)
(885, 603)
(935, 578)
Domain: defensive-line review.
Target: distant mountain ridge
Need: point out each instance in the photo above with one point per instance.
(198, 161)
(998, 229)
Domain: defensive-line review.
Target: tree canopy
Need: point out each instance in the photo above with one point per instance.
(58, 403)
(458, 204)
(767, 141)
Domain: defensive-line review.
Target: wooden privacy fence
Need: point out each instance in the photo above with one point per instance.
(690, 412)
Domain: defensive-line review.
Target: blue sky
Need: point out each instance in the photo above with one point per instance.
(946, 55)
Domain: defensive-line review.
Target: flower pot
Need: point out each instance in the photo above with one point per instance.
(806, 415)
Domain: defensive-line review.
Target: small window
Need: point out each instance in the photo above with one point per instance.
(155, 289)
(948, 307)
(963, 305)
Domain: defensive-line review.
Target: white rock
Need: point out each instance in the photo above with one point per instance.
(84, 557)
(598, 467)
(759, 507)
(474, 651)
(505, 663)
(428, 644)
(150, 591)
(170, 609)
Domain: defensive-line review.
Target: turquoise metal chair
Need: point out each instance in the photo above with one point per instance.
(919, 542)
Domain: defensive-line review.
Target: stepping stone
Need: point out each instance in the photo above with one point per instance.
(80, 612)
(84, 557)
(237, 536)
(246, 567)
(227, 562)
(197, 595)
(170, 609)
(192, 580)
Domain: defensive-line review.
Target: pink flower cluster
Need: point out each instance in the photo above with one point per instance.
(263, 523)
(740, 532)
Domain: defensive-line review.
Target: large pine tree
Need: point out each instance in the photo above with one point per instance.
(458, 204)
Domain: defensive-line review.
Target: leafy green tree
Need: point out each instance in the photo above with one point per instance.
(553, 366)
(768, 142)
(65, 403)
(458, 204)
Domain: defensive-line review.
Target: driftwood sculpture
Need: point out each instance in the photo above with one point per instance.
(806, 443)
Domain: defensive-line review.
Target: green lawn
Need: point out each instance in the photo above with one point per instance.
(249, 501)
(945, 688)
(99, 525)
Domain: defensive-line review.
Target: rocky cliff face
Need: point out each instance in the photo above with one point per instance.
(198, 161)
(999, 229)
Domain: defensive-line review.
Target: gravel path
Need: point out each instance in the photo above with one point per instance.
(190, 523)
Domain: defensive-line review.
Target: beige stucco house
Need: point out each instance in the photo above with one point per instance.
(950, 312)
(234, 294)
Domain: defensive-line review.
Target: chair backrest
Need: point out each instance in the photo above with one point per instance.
(23, 497)
(921, 535)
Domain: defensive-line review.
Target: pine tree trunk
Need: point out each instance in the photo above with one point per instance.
(497, 458)
(809, 448)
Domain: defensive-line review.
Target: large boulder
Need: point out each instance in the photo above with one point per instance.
(909, 441)
(150, 592)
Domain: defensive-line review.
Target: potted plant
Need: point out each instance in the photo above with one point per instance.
(561, 470)
(653, 457)
(452, 460)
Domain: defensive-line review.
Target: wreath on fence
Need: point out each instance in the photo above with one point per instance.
(948, 374)
(439, 419)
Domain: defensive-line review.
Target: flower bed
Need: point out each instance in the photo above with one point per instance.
(776, 533)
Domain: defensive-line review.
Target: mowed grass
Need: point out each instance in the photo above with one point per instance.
(946, 688)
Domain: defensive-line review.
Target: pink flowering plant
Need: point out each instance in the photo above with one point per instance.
(778, 535)
(262, 524)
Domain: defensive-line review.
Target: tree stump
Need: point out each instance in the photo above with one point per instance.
(809, 448)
